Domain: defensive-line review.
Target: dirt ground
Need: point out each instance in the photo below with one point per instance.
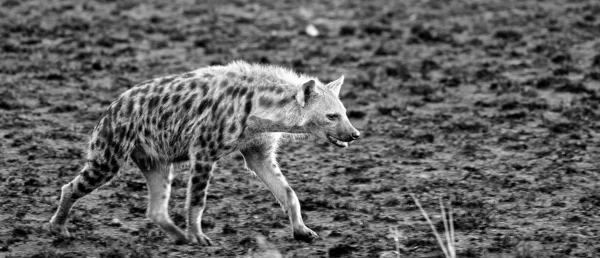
(491, 105)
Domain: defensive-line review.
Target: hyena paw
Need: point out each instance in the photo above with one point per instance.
(57, 229)
(305, 234)
(199, 238)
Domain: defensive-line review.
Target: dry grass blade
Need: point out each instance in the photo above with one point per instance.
(437, 235)
(452, 236)
(449, 235)
(449, 250)
(395, 235)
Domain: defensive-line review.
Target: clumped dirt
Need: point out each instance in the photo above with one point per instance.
(489, 105)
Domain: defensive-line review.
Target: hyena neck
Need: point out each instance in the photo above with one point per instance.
(258, 125)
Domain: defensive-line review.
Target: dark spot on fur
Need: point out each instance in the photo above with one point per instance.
(202, 143)
(130, 132)
(180, 86)
(265, 102)
(211, 146)
(106, 131)
(243, 91)
(195, 179)
(101, 145)
(147, 133)
(220, 138)
(283, 102)
(279, 90)
(120, 132)
(193, 85)
(142, 101)
(213, 152)
(166, 98)
(232, 128)
(164, 197)
(229, 91)
(224, 83)
(165, 119)
(248, 106)
(231, 74)
(199, 168)
(230, 111)
(188, 75)
(175, 99)
(235, 91)
(113, 162)
(130, 105)
(104, 167)
(81, 188)
(107, 154)
(214, 107)
(207, 75)
(188, 103)
(221, 130)
(204, 88)
(204, 104)
(267, 88)
(153, 102)
(250, 79)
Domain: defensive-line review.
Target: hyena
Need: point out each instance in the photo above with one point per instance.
(200, 117)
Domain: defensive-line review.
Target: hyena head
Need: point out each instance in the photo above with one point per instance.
(324, 114)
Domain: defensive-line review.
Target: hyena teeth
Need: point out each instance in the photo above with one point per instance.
(200, 117)
(337, 142)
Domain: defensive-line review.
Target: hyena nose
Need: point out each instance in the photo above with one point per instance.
(355, 135)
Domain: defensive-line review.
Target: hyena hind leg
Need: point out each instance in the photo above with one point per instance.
(158, 180)
(200, 175)
(92, 176)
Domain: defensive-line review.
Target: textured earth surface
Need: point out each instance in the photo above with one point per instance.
(489, 105)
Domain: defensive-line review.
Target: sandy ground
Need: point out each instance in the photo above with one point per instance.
(490, 105)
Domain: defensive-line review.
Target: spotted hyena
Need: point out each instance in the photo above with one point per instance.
(200, 117)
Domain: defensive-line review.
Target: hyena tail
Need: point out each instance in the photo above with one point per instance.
(105, 156)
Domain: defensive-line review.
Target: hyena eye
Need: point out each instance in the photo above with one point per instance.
(333, 117)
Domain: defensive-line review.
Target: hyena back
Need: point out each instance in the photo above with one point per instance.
(199, 117)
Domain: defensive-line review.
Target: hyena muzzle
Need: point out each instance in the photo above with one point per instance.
(200, 117)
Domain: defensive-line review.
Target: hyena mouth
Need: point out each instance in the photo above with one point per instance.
(337, 142)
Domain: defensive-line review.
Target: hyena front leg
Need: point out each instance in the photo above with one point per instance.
(262, 161)
(200, 175)
(158, 180)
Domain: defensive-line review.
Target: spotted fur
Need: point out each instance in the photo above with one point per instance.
(199, 117)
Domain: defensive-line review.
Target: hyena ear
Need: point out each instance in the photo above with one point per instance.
(336, 85)
(306, 92)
